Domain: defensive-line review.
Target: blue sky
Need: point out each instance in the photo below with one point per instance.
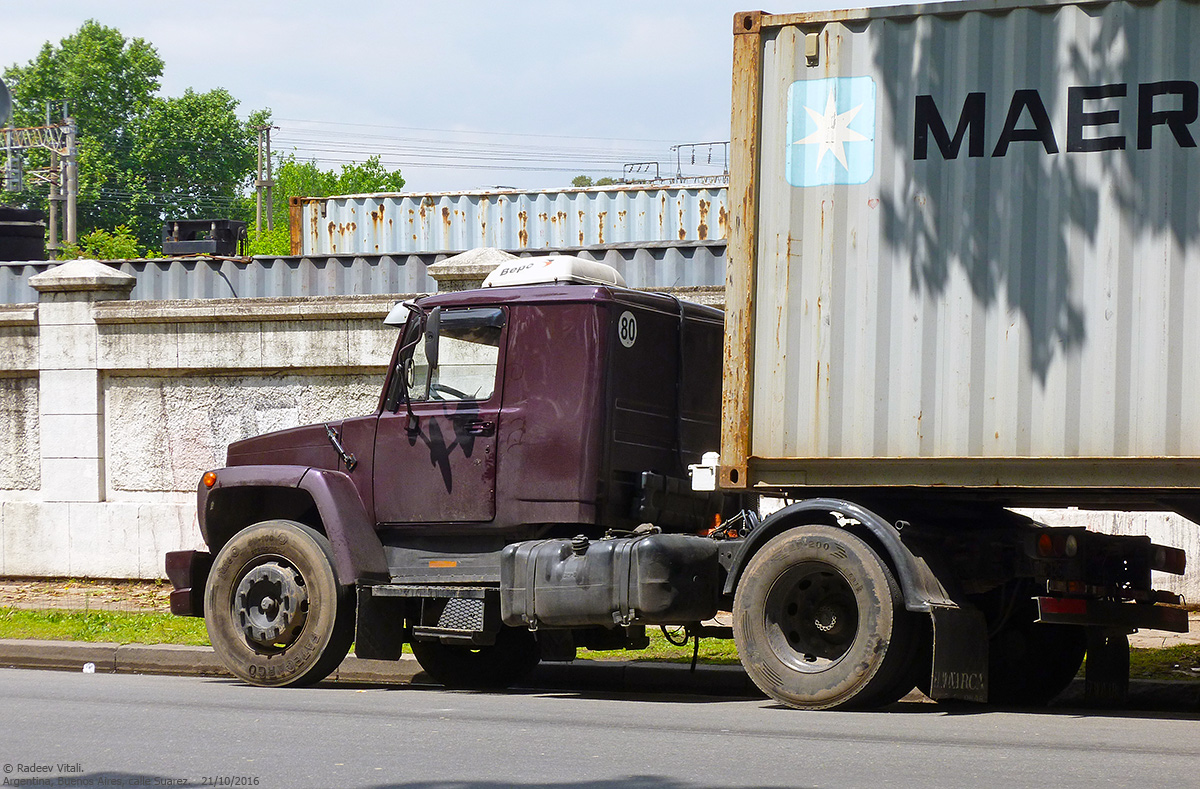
(458, 95)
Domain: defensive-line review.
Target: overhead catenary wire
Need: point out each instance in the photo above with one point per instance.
(332, 144)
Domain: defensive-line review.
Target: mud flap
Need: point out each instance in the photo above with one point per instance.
(380, 627)
(1106, 676)
(960, 654)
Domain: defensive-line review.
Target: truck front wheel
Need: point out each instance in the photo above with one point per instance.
(515, 654)
(275, 610)
(820, 622)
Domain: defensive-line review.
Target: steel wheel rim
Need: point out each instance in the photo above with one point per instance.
(270, 605)
(811, 617)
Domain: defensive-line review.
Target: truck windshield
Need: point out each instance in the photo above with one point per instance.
(468, 356)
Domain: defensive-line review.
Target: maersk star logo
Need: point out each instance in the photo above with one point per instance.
(831, 131)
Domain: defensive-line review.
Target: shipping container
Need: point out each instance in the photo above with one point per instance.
(965, 249)
(559, 220)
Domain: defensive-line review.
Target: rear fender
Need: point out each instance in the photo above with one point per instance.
(326, 500)
(921, 587)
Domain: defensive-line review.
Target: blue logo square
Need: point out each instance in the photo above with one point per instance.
(831, 131)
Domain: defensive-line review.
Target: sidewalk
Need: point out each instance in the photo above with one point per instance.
(579, 676)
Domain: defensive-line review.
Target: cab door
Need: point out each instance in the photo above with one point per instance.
(435, 447)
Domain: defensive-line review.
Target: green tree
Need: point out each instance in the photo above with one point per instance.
(100, 244)
(301, 178)
(191, 159)
(143, 158)
(584, 181)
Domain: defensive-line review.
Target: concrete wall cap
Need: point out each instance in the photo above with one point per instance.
(76, 275)
(18, 315)
(250, 309)
(472, 264)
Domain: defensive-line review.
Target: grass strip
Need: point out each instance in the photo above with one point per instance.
(121, 627)
(713, 651)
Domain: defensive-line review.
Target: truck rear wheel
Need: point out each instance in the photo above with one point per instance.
(820, 622)
(1029, 663)
(515, 654)
(275, 610)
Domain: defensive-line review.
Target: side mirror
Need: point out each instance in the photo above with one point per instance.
(432, 325)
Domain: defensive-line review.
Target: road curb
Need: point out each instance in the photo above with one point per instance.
(179, 660)
(580, 675)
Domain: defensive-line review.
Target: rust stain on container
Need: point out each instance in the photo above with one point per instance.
(723, 222)
(446, 216)
(581, 228)
(702, 228)
(601, 216)
(523, 233)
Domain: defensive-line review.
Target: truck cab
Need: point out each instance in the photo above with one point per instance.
(551, 404)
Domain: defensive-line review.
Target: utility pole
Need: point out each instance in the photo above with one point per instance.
(260, 183)
(52, 244)
(71, 175)
(270, 183)
(54, 179)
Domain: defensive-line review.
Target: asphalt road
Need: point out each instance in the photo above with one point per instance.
(152, 731)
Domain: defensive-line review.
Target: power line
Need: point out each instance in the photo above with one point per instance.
(465, 131)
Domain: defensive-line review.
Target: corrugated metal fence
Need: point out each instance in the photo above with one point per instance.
(657, 237)
(649, 266)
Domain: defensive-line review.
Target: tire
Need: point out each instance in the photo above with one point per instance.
(1029, 663)
(276, 612)
(515, 654)
(820, 623)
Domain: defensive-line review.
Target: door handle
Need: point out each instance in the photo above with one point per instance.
(481, 427)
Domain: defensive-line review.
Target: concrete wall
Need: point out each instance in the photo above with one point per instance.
(110, 410)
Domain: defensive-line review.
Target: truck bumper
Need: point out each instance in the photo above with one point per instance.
(188, 572)
(1102, 613)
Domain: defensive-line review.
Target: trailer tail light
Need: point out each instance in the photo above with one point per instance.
(1062, 605)
(1056, 546)
(209, 479)
(1168, 560)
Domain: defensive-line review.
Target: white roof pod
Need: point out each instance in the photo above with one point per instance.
(553, 269)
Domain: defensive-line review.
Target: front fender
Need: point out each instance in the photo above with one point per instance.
(244, 495)
(356, 546)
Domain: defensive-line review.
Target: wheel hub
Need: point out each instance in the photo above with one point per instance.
(812, 617)
(271, 605)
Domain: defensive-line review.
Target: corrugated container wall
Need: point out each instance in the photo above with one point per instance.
(559, 220)
(972, 248)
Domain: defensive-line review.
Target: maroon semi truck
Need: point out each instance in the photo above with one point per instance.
(522, 491)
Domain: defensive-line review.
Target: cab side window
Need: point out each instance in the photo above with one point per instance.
(468, 358)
